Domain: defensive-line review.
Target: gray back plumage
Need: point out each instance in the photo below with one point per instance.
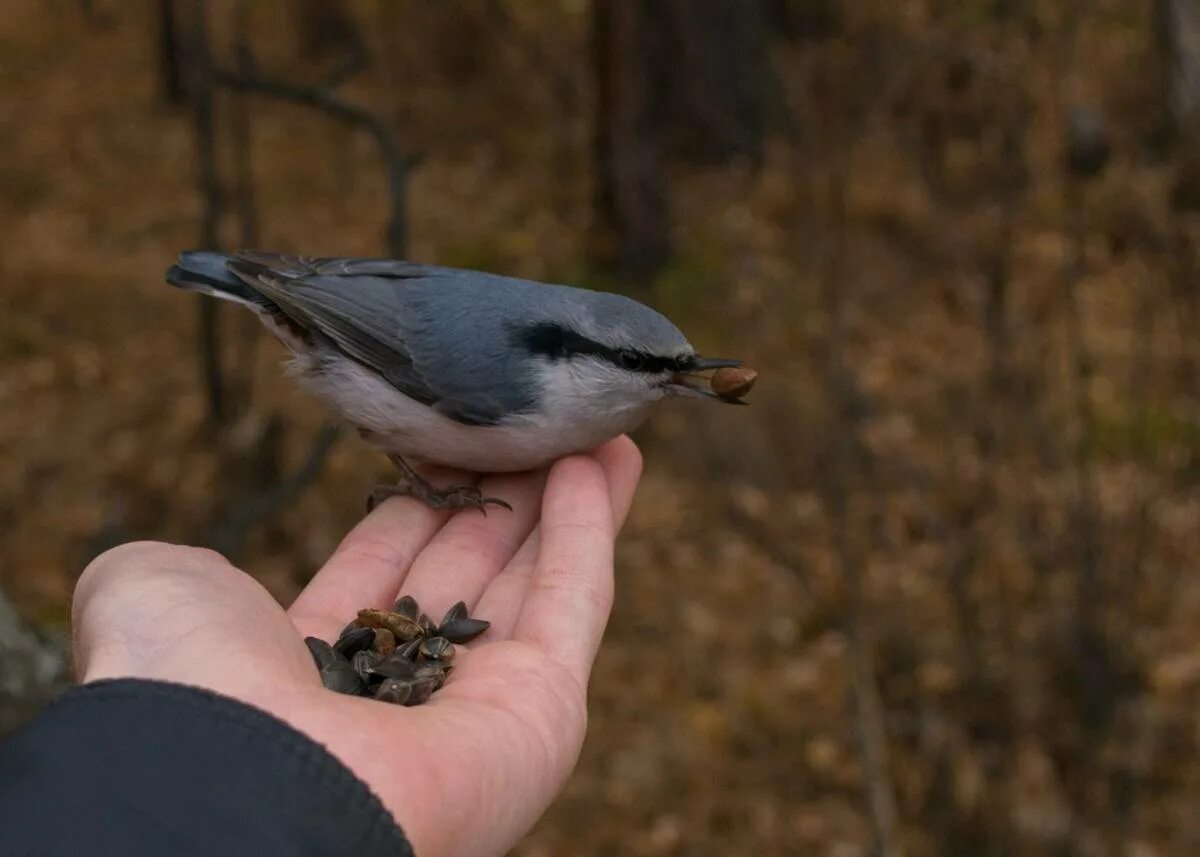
(443, 336)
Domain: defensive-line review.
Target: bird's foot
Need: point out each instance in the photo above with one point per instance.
(457, 497)
(414, 485)
(381, 492)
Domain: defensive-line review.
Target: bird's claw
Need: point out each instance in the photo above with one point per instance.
(453, 499)
(465, 497)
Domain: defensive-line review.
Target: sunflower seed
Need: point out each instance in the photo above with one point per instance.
(409, 650)
(394, 667)
(341, 677)
(407, 606)
(364, 663)
(437, 648)
(463, 630)
(436, 670)
(353, 642)
(395, 691)
(321, 651)
(733, 382)
(402, 627)
(369, 617)
(385, 642)
(422, 689)
(458, 611)
(428, 629)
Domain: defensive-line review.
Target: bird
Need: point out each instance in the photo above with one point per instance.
(465, 369)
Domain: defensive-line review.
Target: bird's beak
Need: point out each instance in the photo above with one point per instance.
(704, 363)
(690, 385)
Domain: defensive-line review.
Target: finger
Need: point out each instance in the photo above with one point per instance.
(368, 567)
(570, 593)
(471, 549)
(501, 602)
(622, 463)
(175, 613)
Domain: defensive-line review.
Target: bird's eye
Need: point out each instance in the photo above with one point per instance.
(632, 361)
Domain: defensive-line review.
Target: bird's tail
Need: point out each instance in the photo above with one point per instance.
(205, 271)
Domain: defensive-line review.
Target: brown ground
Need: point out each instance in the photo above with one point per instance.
(1036, 654)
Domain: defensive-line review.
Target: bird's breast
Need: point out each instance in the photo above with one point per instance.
(397, 424)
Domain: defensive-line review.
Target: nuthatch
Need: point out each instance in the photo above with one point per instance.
(459, 368)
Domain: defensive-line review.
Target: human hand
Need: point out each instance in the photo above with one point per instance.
(468, 772)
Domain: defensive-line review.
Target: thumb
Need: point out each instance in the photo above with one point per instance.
(159, 611)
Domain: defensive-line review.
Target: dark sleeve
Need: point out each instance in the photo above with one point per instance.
(131, 768)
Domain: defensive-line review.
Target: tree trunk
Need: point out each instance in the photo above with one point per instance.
(170, 68)
(1178, 25)
(329, 38)
(721, 92)
(686, 78)
(630, 211)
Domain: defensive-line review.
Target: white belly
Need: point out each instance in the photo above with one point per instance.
(400, 425)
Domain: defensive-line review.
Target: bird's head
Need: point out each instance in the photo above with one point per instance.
(613, 350)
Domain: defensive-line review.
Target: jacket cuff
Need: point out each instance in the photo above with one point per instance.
(129, 766)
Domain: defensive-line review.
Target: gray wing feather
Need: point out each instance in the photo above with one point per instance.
(436, 334)
(316, 266)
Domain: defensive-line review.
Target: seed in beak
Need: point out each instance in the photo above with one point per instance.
(733, 382)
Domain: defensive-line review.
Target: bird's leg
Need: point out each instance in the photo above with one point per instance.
(412, 484)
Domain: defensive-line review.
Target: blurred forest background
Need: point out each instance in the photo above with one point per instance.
(935, 592)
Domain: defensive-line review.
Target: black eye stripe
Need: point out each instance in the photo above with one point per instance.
(637, 361)
(556, 342)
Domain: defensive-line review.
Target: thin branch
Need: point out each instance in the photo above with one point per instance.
(204, 122)
(240, 133)
(230, 533)
(245, 203)
(351, 114)
(846, 454)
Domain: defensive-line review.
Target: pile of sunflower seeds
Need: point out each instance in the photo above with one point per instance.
(398, 655)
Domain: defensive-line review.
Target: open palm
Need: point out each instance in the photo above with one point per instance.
(470, 771)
